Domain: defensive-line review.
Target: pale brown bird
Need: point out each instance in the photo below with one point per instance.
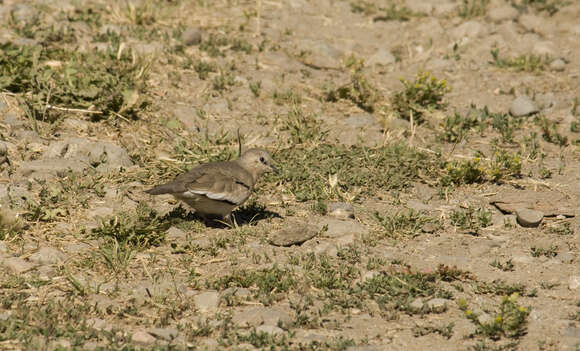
(215, 189)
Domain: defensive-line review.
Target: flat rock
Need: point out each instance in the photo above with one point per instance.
(469, 29)
(341, 210)
(191, 36)
(207, 301)
(502, 13)
(416, 305)
(551, 203)
(293, 234)
(574, 282)
(321, 53)
(558, 65)
(17, 265)
(142, 338)
(338, 228)
(270, 329)
(47, 255)
(529, 218)
(175, 234)
(437, 305)
(167, 334)
(523, 106)
(256, 316)
(382, 57)
(360, 120)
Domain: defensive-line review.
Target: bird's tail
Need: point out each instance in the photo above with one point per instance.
(161, 189)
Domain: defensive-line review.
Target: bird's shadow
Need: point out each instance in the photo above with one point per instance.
(247, 215)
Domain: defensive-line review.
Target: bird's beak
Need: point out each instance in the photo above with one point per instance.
(275, 169)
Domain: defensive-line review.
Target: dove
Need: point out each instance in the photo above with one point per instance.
(215, 189)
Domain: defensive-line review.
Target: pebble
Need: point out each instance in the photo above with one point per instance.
(293, 234)
(47, 255)
(338, 228)
(503, 13)
(382, 57)
(270, 329)
(360, 120)
(574, 282)
(167, 334)
(341, 210)
(175, 234)
(416, 305)
(523, 106)
(207, 301)
(566, 257)
(529, 218)
(98, 324)
(362, 348)
(191, 36)
(17, 265)
(142, 338)
(3, 247)
(558, 65)
(437, 305)
(469, 29)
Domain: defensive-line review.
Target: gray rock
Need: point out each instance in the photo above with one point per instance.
(419, 6)
(98, 324)
(437, 305)
(167, 334)
(574, 282)
(418, 206)
(175, 234)
(293, 234)
(338, 228)
(469, 29)
(382, 57)
(191, 36)
(536, 24)
(47, 168)
(47, 255)
(429, 227)
(142, 338)
(260, 315)
(341, 210)
(416, 305)
(503, 13)
(321, 53)
(17, 265)
(362, 348)
(3, 247)
(207, 301)
(558, 65)
(100, 212)
(397, 124)
(147, 48)
(523, 106)
(91, 346)
(270, 329)
(187, 115)
(360, 120)
(566, 257)
(529, 218)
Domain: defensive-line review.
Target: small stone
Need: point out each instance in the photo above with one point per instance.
(142, 338)
(360, 120)
(3, 247)
(566, 257)
(17, 265)
(47, 255)
(416, 305)
(558, 65)
(469, 29)
(485, 318)
(341, 210)
(382, 57)
(437, 305)
(574, 282)
(503, 13)
(418, 206)
(529, 218)
(97, 323)
(362, 348)
(336, 228)
(191, 36)
(166, 334)
(90, 346)
(429, 228)
(523, 106)
(175, 234)
(207, 301)
(293, 234)
(270, 329)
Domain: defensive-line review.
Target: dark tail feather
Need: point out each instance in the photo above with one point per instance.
(162, 189)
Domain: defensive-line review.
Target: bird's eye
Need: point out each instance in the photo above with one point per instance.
(262, 160)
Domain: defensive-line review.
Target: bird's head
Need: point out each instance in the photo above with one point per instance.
(257, 162)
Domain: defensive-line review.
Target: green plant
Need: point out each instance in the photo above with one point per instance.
(550, 131)
(359, 90)
(510, 320)
(473, 8)
(141, 227)
(522, 63)
(406, 223)
(507, 266)
(551, 251)
(456, 127)
(255, 87)
(425, 93)
(303, 127)
(463, 172)
(471, 220)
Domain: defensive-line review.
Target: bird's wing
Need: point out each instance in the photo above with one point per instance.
(221, 187)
